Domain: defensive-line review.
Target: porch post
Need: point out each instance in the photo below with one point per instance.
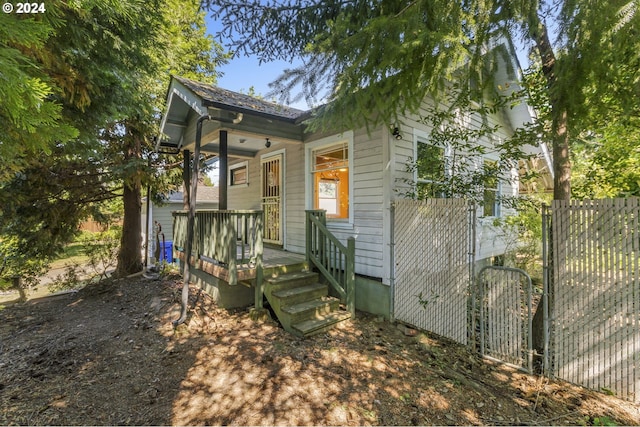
(186, 179)
(222, 177)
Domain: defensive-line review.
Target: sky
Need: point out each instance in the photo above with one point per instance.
(242, 72)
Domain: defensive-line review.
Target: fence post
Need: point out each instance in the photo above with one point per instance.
(546, 233)
(472, 272)
(230, 237)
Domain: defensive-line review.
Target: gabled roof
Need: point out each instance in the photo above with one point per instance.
(225, 99)
(204, 194)
(257, 119)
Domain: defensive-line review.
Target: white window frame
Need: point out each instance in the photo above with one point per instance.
(497, 206)
(323, 143)
(421, 137)
(235, 166)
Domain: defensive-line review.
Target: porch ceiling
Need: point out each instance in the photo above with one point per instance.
(188, 100)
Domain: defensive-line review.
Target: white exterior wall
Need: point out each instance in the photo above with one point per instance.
(366, 224)
(163, 214)
(295, 199)
(379, 176)
(367, 221)
(249, 196)
(489, 240)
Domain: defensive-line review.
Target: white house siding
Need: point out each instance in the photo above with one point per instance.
(163, 214)
(368, 202)
(489, 240)
(249, 197)
(246, 197)
(380, 175)
(367, 199)
(295, 200)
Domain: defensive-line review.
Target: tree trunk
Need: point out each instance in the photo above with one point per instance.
(560, 131)
(130, 254)
(561, 162)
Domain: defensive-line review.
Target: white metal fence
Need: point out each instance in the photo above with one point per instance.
(593, 277)
(595, 294)
(431, 258)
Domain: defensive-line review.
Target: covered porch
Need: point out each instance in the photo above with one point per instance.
(229, 255)
(259, 147)
(229, 245)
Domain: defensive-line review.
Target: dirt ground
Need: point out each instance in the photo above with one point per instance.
(109, 355)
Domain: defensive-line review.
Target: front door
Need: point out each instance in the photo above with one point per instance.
(272, 198)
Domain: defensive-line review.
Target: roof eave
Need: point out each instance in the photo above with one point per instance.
(235, 109)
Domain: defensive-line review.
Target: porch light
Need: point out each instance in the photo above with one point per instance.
(268, 143)
(396, 133)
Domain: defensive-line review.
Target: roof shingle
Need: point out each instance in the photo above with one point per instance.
(223, 97)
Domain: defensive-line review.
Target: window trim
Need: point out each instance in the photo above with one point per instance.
(324, 143)
(232, 168)
(497, 205)
(421, 137)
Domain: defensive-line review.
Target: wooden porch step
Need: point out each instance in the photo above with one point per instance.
(290, 296)
(321, 324)
(302, 304)
(311, 309)
(290, 280)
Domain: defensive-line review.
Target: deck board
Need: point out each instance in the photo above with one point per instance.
(271, 258)
(277, 258)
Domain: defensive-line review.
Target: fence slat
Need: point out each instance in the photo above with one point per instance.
(431, 258)
(596, 309)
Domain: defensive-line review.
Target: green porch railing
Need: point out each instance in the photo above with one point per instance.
(231, 239)
(335, 261)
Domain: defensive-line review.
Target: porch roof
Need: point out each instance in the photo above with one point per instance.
(187, 100)
(214, 96)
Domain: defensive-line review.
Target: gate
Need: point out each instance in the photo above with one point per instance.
(504, 296)
(432, 265)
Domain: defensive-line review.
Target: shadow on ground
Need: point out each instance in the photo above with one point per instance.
(108, 355)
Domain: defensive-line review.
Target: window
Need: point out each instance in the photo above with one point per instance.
(239, 174)
(330, 171)
(430, 170)
(491, 191)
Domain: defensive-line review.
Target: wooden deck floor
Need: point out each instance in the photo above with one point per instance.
(277, 258)
(272, 260)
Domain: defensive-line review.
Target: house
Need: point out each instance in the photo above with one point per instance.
(314, 189)
(160, 218)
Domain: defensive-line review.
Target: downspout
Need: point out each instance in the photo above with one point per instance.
(146, 229)
(392, 270)
(192, 209)
(146, 226)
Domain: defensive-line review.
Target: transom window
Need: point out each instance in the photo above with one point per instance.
(330, 171)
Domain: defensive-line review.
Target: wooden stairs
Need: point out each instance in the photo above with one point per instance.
(302, 304)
